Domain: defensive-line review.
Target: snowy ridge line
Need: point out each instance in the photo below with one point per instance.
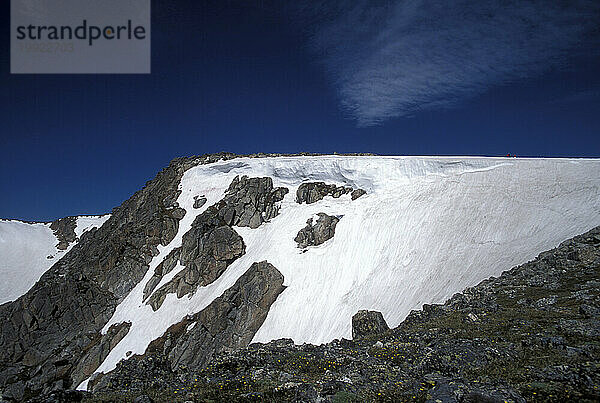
(28, 250)
(107, 215)
(87, 222)
(423, 231)
(47, 223)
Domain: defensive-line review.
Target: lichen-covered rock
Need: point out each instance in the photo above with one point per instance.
(368, 323)
(321, 231)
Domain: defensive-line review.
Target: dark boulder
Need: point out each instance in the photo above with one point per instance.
(368, 323)
(321, 231)
(199, 201)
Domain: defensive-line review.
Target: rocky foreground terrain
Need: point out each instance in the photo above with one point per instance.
(533, 334)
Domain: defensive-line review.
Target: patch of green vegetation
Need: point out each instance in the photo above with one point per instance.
(229, 391)
(304, 363)
(346, 397)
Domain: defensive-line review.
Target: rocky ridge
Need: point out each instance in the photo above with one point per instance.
(64, 230)
(46, 333)
(532, 334)
(229, 322)
(212, 244)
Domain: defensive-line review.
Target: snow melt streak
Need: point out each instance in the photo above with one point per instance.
(427, 228)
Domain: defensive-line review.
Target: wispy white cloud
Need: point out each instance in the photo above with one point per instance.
(391, 59)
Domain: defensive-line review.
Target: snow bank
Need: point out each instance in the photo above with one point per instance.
(87, 222)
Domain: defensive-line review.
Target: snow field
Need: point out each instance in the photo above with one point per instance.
(427, 228)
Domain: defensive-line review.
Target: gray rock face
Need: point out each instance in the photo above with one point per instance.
(312, 192)
(98, 350)
(206, 251)
(368, 323)
(251, 201)
(228, 323)
(161, 270)
(212, 245)
(313, 235)
(64, 230)
(231, 320)
(44, 334)
(199, 201)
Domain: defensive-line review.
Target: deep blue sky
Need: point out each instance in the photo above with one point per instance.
(246, 76)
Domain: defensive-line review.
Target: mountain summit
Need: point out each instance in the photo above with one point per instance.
(219, 251)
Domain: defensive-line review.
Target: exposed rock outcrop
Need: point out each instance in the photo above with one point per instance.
(206, 251)
(64, 230)
(251, 201)
(64, 311)
(228, 323)
(161, 270)
(211, 245)
(312, 192)
(98, 350)
(356, 193)
(321, 231)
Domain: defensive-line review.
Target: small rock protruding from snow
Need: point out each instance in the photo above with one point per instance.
(312, 192)
(367, 323)
(64, 230)
(199, 201)
(321, 231)
(249, 202)
(356, 193)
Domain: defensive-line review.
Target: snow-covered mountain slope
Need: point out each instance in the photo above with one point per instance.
(27, 250)
(427, 228)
